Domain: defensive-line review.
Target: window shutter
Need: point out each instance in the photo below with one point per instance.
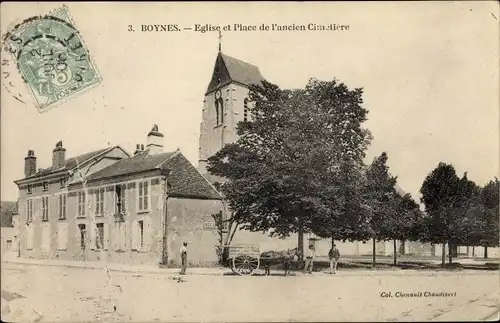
(106, 236)
(92, 234)
(125, 235)
(30, 237)
(148, 232)
(62, 236)
(134, 231)
(116, 236)
(46, 237)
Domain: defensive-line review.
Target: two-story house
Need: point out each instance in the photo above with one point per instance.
(127, 208)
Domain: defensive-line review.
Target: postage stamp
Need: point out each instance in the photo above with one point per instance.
(52, 57)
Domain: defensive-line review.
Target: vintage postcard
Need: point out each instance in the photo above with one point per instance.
(250, 161)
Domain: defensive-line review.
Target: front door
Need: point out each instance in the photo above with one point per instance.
(83, 240)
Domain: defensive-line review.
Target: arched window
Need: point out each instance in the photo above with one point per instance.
(245, 109)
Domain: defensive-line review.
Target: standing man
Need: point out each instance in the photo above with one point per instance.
(184, 258)
(334, 256)
(310, 260)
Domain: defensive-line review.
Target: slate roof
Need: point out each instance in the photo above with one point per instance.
(183, 179)
(229, 69)
(70, 163)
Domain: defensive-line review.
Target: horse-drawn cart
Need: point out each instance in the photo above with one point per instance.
(245, 259)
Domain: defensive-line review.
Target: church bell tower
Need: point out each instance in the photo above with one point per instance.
(225, 104)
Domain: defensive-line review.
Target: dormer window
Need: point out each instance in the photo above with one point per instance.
(30, 189)
(45, 186)
(63, 182)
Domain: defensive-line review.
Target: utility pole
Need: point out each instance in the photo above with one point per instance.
(164, 255)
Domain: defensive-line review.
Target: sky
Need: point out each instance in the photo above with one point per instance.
(430, 74)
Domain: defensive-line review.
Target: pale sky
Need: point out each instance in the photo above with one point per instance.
(430, 73)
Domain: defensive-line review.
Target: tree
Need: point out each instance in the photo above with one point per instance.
(466, 225)
(490, 204)
(407, 221)
(280, 173)
(381, 201)
(439, 191)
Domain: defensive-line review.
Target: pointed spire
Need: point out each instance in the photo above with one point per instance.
(220, 41)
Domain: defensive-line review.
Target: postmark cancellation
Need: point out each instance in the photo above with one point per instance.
(51, 57)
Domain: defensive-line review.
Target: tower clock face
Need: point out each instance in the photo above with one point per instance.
(218, 94)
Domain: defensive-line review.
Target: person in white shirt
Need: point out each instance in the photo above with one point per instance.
(184, 258)
(310, 260)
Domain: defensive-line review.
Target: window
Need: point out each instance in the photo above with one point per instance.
(30, 189)
(63, 182)
(219, 107)
(245, 110)
(141, 234)
(62, 206)
(143, 196)
(99, 241)
(81, 204)
(45, 186)
(99, 202)
(81, 227)
(45, 208)
(120, 198)
(29, 210)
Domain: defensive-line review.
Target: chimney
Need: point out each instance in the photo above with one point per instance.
(155, 141)
(58, 156)
(137, 149)
(30, 164)
(142, 147)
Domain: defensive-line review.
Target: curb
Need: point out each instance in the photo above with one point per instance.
(167, 271)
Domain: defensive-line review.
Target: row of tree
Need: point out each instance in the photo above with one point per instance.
(298, 167)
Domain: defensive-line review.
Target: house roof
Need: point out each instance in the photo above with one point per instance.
(7, 209)
(70, 163)
(183, 179)
(229, 69)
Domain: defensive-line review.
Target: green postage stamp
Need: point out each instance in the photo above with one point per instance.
(51, 57)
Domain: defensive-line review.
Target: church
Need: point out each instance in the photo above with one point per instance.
(226, 103)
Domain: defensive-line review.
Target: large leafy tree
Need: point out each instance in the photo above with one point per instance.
(406, 223)
(440, 190)
(282, 174)
(466, 225)
(490, 206)
(381, 201)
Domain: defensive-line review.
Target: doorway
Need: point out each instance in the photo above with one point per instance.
(83, 236)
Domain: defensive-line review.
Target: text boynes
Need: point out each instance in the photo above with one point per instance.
(203, 28)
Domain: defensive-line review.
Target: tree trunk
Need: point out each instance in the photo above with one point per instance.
(301, 238)
(443, 254)
(485, 252)
(450, 253)
(395, 253)
(333, 242)
(232, 234)
(374, 249)
(473, 252)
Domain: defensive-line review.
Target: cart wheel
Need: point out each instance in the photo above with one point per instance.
(245, 265)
